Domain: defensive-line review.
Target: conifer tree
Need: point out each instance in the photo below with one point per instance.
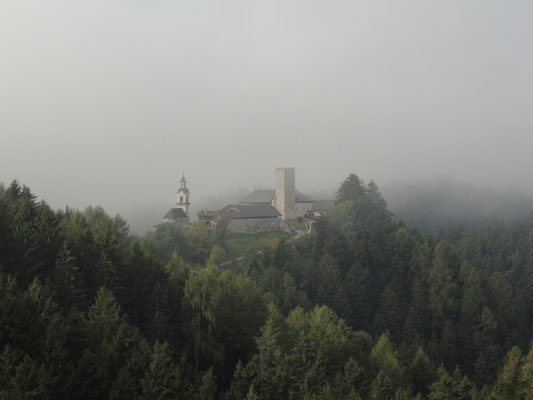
(271, 365)
(350, 383)
(453, 386)
(421, 373)
(382, 387)
(527, 373)
(21, 377)
(208, 388)
(351, 189)
(67, 281)
(510, 384)
(359, 292)
(163, 378)
(104, 316)
(384, 359)
(251, 395)
(307, 370)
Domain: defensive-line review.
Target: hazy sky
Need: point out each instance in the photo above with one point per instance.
(106, 102)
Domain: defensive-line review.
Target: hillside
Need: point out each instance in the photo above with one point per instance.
(362, 308)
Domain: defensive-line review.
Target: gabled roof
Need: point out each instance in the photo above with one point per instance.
(260, 196)
(241, 211)
(176, 213)
(302, 197)
(266, 196)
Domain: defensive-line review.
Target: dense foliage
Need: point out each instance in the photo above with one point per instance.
(362, 308)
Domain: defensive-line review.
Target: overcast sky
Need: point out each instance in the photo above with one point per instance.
(106, 102)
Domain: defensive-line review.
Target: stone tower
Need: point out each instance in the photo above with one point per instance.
(182, 196)
(285, 201)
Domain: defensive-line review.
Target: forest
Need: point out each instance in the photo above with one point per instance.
(363, 308)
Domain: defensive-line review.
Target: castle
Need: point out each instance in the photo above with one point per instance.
(260, 211)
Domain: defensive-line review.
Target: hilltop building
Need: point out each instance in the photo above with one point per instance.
(180, 215)
(267, 210)
(290, 203)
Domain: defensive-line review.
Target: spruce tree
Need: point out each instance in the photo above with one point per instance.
(510, 384)
(163, 378)
(421, 373)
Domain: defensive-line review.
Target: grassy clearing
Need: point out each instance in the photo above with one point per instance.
(244, 243)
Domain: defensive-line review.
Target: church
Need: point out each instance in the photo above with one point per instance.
(180, 215)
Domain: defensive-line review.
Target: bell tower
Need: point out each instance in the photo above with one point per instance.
(286, 193)
(183, 195)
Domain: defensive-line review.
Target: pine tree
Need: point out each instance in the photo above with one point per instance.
(510, 383)
(451, 386)
(111, 345)
(393, 305)
(527, 373)
(163, 378)
(421, 373)
(384, 359)
(251, 395)
(241, 382)
(489, 352)
(348, 384)
(22, 377)
(358, 284)
(306, 366)
(270, 365)
(351, 189)
(104, 316)
(208, 388)
(382, 387)
(67, 281)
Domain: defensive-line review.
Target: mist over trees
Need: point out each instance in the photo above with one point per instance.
(364, 308)
(428, 206)
(444, 203)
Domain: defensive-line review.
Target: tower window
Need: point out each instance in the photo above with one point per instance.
(181, 199)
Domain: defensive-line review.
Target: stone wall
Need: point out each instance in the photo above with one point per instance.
(303, 208)
(253, 225)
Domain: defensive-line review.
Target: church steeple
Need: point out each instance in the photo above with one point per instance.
(183, 195)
